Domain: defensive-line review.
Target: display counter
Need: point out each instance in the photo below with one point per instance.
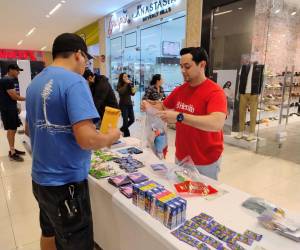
(120, 225)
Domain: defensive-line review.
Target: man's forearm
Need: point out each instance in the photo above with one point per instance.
(18, 98)
(210, 123)
(21, 98)
(98, 141)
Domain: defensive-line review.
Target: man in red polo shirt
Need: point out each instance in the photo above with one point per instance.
(198, 107)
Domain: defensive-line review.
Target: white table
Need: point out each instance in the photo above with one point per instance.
(119, 225)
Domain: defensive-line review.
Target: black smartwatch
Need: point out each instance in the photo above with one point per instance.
(180, 117)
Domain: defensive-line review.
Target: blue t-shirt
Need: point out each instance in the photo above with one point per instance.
(56, 99)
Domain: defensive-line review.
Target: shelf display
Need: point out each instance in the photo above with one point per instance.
(278, 99)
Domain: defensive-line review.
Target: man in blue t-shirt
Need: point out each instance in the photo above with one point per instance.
(60, 121)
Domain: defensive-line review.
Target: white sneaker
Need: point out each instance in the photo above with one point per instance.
(240, 135)
(251, 137)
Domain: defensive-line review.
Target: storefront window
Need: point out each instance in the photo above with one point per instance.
(148, 50)
(255, 50)
(131, 62)
(116, 60)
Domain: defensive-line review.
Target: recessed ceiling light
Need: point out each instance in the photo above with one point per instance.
(31, 31)
(277, 11)
(223, 13)
(240, 8)
(294, 13)
(63, 1)
(55, 9)
(43, 48)
(47, 16)
(20, 42)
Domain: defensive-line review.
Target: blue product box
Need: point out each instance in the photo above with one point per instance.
(171, 211)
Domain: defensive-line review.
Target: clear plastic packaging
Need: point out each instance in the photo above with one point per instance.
(259, 205)
(156, 133)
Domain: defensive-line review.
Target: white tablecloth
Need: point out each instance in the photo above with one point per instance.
(119, 225)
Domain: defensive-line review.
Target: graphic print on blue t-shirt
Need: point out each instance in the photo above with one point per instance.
(56, 100)
(46, 123)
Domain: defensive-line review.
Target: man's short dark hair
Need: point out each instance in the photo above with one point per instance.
(199, 54)
(87, 73)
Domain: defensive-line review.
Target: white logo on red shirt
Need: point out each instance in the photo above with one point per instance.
(187, 107)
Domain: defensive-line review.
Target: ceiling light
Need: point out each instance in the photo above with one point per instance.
(55, 9)
(277, 11)
(31, 31)
(222, 13)
(20, 42)
(43, 48)
(240, 8)
(47, 16)
(63, 1)
(294, 13)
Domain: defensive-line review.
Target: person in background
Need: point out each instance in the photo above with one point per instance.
(9, 109)
(90, 78)
(60, 123)
(102, 92)
(198, 107)
(126, 89)
(155, 91)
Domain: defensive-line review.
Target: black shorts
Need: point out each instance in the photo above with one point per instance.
(68, 219)
(10, 119)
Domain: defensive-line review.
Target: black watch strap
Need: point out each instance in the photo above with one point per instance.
(180, 117)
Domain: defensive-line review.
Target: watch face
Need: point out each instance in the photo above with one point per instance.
(180, 117)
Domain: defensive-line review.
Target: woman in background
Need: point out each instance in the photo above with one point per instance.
(126, 89)
(155, 91)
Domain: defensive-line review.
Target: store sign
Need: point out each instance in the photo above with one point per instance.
(142, 12)
(21, 55)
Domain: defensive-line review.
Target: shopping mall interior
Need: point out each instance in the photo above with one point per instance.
(258, 186)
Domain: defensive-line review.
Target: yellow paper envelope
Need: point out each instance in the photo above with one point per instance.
(110, 119)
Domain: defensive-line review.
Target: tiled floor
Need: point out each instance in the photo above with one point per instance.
(288, 151)
(273, 179)
(19, 227)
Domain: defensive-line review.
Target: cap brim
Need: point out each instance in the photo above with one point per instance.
(89, 56)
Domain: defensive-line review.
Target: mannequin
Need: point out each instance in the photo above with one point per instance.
(250, 86)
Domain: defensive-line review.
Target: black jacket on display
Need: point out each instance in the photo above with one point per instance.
(256, 79)
(103, 94)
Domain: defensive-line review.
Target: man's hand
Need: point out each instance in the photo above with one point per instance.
(145, 105)
(154, 104)
(114, 135)
(89, 139)
(168, 116)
